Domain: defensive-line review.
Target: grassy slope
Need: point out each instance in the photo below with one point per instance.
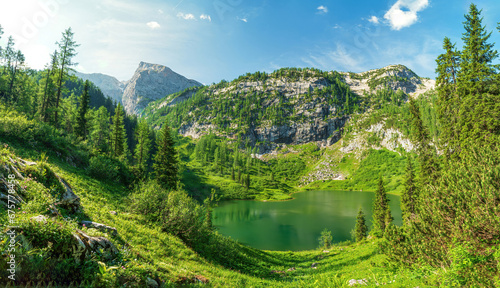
(146, 251)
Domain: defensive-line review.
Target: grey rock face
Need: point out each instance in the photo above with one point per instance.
(109, 85)
(152, 82)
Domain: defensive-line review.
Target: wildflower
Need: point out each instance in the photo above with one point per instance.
(123, 267)
(83, 225)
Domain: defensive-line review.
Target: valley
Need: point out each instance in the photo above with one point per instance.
(284, 177)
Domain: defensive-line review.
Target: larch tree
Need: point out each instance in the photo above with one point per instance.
(83, 108)
(48, 101)
(67, 50)
(166, 161)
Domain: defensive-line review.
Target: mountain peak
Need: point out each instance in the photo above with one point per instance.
(151, 82)
(150, 66)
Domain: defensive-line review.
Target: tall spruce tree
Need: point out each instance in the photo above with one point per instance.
(118, 134)
(166, 162)
(81, 121)
(361, 229)
(48, 101)
(448, 108)
(380, 207)
(100, 134)
(426, 153)
(478, 113)
(409, 194)
(143, 146)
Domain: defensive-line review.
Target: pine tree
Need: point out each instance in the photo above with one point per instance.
(380, 207)
(67, 50)
(361, 229)
(239, 175)
(166, 162)
(448, 99)
(118, 134)
(143, 146)
(232, 174)
(478, 114)
(409, 194)
(100, 130)
(81, 122)
(426, 154)
(247, 181)
(48, 101)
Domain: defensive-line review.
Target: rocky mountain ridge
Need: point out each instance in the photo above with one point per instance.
(150, 82)
(109, 85)
(289, 106)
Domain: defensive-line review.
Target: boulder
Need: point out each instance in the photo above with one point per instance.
(100, 227)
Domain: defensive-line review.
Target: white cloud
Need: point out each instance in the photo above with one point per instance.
(206, 17)
(160, 11)
(373, 19)
(154, 25)
(322, 9)
(404, 13)
(242, 19)
(337, 26)
(341, 59)
(188, 16)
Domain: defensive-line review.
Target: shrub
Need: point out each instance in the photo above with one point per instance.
(107, 168)
(174, 211)
(325, 240)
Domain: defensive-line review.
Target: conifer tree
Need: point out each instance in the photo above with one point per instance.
(165, 161)
(409, 194)
(239, 175)
(100, 129)
(143, 146)
(380, 207)
(67, 50)
(478, 114)
(48, 102)
(81, 122)
(426, 154)
(118, 134)
(361, 229)
(232, 174)
(448, 99)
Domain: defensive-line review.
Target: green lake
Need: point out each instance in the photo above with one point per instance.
(296, 224)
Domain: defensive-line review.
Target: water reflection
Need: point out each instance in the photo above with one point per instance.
(297, 224)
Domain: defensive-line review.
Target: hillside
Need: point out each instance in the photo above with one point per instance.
(124, 249)
(305, 117)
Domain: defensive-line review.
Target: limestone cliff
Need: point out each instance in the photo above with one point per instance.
(152, 82)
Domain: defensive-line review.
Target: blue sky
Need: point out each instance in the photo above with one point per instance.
(221, 39)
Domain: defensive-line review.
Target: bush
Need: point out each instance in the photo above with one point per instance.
(107, 168)
(325, 240)
(174, 211)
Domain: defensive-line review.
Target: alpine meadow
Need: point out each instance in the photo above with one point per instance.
(296, 175)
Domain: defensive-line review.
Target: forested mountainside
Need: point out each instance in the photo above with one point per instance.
(93, 197)
(288, 106)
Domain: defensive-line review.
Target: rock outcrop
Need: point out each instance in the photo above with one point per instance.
(109, 85)
(152, 82)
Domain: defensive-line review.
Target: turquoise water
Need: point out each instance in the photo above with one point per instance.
(297, 224)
